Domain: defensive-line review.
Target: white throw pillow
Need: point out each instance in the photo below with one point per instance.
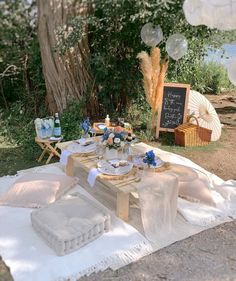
(34, 190)
(196, 191)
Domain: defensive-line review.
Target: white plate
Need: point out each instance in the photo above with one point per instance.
(78, 148)
(106, 168)
(159, 163)
(101, 126)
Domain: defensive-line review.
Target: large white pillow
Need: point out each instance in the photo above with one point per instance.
(34, 190)
(197, 190)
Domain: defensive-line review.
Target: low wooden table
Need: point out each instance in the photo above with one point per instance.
(124, 188)
(49, 147)
(85, 164)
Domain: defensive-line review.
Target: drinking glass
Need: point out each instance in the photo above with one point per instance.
(100, 150)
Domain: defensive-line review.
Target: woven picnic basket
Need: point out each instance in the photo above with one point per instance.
(189, 134)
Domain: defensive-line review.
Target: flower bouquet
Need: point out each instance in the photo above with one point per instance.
(113, 140)
(152, 160)
(86, 128)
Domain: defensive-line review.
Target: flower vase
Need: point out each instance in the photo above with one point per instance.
(111, 153)
(85, 136)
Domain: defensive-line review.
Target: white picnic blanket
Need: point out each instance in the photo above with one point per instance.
(223, 193)
(29, 258)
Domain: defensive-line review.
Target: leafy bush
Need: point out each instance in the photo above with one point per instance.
(17, 126)
(71, 119)
(21, 76)
(139, 114)
(208, 77)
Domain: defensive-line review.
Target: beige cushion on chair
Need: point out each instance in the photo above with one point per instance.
(34, 190)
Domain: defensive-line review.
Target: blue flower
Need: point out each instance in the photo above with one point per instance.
(106, 134)
(150, 158)
(85, 125)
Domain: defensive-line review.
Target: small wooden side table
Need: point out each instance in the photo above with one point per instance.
(100, 132)
(49, 147)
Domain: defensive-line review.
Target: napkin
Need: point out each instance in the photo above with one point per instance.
(64, 157)
(55, 138)
(93, 173)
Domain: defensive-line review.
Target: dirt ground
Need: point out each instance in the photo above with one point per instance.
(207, 256)
(221, 160)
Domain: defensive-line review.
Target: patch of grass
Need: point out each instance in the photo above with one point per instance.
(167, 142)
(14, 158)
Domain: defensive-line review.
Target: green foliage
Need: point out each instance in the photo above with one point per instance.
(145, 135)
(114, 35)
(21, 76)
(71, 119)
(138, 114)
(208, 77)
(17, 127)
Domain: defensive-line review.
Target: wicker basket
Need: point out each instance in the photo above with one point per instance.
(189, 134)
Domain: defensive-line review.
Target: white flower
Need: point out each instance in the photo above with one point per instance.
(122, 143)
(111, 135)
(117, 140)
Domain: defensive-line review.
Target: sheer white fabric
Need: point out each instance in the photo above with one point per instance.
(158, 203)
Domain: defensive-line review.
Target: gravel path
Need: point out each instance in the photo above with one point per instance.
(207, 256)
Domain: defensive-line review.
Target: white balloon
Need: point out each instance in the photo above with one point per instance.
(219, 14)
(231, 69)
(151, 35)
(177, 46)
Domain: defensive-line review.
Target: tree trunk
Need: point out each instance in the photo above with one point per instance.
(66, 76)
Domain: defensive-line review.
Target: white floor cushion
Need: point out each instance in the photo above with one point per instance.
(70, 223)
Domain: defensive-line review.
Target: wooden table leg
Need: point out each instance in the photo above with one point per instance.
(122, 206)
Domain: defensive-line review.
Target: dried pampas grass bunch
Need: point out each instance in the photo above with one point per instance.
(154, 71)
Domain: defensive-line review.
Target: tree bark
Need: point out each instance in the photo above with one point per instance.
(66, 76)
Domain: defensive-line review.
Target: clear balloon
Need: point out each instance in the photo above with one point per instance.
(231, 69)
(177, 46)
(151, 35)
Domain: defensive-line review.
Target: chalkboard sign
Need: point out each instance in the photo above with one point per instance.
(173, 109)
